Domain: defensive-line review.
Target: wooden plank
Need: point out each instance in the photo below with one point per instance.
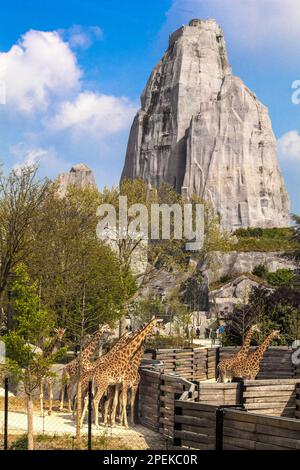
(193, 437)
(186, 405)
(255, 418)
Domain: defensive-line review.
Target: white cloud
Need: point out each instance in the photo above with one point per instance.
(40, 66)
(288, 146)
(82, 37)
(94, 114)
(47, 160)
(269, 23)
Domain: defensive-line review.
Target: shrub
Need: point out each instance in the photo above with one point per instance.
(260, 271)
(282, 277)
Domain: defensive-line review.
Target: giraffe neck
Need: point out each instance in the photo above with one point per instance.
(89, 350)
(247, 342)
(134, 344)
(138, 356)
(264, 345)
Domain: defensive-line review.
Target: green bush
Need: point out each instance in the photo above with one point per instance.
(165, 342)
(282, 277)
(260, 271)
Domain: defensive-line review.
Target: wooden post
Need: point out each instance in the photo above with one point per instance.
(177, 426)
(219, 428)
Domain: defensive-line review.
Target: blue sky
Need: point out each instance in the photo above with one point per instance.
(74, 71)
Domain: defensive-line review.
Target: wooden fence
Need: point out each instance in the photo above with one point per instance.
(201, 363)
(194, 425)
(207, 427)
(247, 431)
(159, 393)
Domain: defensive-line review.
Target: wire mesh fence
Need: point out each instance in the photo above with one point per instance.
(58, 430)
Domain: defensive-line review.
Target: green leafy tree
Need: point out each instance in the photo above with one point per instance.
(271, 310)
(24, 344)
(21, 198)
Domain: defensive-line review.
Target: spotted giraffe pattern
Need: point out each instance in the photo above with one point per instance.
(225, 366)
(71, 371)
(249, 367)
(110, 369)
(130, 383)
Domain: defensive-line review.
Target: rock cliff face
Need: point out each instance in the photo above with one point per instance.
(80, 175)
(202, 130)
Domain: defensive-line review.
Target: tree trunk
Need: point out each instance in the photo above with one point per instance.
(30, 422)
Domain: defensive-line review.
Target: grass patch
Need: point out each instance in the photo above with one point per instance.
(166, 342)
(268, 239)
(226, 279)
(66, 442)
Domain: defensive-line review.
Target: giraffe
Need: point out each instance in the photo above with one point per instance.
(71, 371)
(110, 369)
(248, 368)
(47, 379)
(86, 376)
(226, 365)
(130, 383)
(132, 380)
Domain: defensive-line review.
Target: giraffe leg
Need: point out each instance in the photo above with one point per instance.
(70, 408)
(50, 385)
(84, 411)
(107, 405)
(62, 399)
(114, 405)
(64, 383)
(134, 390)
(98, 396)
(124, 404)
(96, 401)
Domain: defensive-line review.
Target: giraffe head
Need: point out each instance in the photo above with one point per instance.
(275, 334)
(59, 332)
(255, 328)
(105, 329)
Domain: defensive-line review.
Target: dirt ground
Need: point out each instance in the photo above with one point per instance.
(61, 424)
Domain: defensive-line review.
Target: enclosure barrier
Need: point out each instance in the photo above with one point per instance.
(206, 427)
(160, 393)
(201, 363)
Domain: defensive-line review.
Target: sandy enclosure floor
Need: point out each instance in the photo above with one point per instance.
(136, 437)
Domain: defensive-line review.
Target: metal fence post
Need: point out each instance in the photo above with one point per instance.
(219, 428)
(6, 413)
(90, 415)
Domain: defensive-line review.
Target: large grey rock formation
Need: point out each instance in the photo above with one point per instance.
(80, 175)
(202, 130)
(224, 299)
(231, 263)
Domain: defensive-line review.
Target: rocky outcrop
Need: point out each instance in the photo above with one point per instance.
(202, 130)
(225, 298)
(80, 176)
(232, 263)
